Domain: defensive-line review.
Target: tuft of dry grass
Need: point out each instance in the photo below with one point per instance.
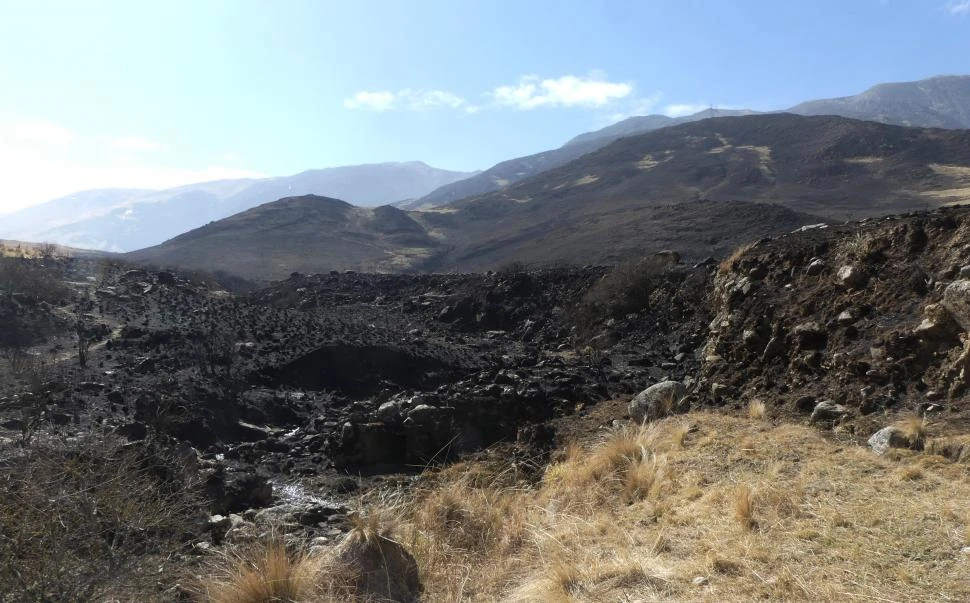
(730, 262)
(263, 573)
(913, 430)
(756, 410)
(744, 498)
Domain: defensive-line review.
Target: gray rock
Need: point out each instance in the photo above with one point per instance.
(956, 299)
(657, 401)
(886, 438)
(845, 318)
(423, 414)
(390, 412)
(852, 277)
(827, 411)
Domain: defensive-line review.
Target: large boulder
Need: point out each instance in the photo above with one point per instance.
(956, 299)
(657, 401)
(382, 569)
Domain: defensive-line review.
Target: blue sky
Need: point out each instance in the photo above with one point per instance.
(157, 93)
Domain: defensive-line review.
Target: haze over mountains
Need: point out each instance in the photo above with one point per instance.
(700, 188)
(126, 219)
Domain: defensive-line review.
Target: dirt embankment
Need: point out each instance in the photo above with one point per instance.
(870, 316)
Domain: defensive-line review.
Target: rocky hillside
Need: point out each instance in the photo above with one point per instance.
(700, 189)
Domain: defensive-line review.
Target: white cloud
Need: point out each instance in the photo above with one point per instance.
(136, 143)
(683, 109)
(371, 101)
(422, 100)
(567, 91)
(43, 131)
(406, 99)
(958, 7)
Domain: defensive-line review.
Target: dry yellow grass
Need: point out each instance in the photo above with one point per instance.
(728, 264)
(913, 430)
(264, 573)
(651, 513)
(756, 410)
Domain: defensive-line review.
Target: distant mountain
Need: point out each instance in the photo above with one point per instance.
(699, 188)
(937, 102)
(123, 220)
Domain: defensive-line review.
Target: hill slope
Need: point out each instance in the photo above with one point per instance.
(513, 170)
(123, 220)
(938, 102)
(942, 102)
(699, 188)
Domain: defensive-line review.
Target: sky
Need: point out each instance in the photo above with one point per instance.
(158, 93)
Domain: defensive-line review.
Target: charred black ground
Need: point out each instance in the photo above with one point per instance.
(290, 399)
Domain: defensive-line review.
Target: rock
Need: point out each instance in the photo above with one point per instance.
(307, 514)
(810, 336)
(389, 412)
(657, 401)
(938, 325)
(852, 277)
(886, 438)
(805, 403)
(423, 414)
(965, 271)
(815, 267)
(845, 318)
(134, 431)
(720, 390)
(384, 569)
(165, 278)
(751, 340)
(774, 347)
(233, 492)
(827, 411)
(956, 299)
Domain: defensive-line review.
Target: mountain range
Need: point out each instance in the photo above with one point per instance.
(126, 219)
(699, 188)
(123, 220)
(938, 102)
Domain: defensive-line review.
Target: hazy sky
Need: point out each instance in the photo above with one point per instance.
(141, 93)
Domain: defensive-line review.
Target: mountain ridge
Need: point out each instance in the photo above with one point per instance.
(870, 105)
(700, 188)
